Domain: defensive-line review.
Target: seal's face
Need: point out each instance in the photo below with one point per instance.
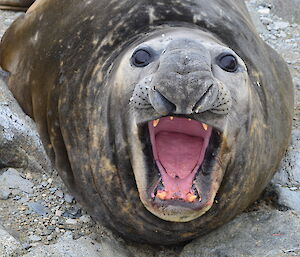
(189, 97)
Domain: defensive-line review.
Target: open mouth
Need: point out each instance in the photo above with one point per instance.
(180, 148)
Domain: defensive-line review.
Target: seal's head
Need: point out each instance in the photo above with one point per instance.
(187, 89)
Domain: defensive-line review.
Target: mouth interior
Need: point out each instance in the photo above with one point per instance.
(178, 146)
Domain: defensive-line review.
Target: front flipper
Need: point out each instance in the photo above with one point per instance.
(15, 5)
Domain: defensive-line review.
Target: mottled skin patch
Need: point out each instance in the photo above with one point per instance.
(66, 76)
(17, 5)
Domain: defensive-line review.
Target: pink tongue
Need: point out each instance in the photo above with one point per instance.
(178, 152)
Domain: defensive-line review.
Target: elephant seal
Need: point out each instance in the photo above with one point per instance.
(164, 118)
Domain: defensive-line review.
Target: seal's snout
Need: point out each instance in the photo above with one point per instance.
(208, 99)
(164, 106)
(184, 83)
(161, 104)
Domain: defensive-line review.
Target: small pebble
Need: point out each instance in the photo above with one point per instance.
(24, 200)
(69, 198)
(15, 192)
(46, 232)
(71, 221)
(264, 11)
(8, 21)
(59, 193)
(51, 227)
(38, 208)
(4, 193)
(265, 20)
(52, 189)
(282, 34)
(58, 213)
(73, 212)
(35, 238)
(17, 197)
(280, 25)
(85, 218)
(26, 246)
(28, 176)
(44, 184)
(67, 235)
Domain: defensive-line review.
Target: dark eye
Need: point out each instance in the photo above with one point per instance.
(227, 62)
(141, 57)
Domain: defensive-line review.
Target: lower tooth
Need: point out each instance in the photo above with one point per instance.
(191, 197)
(161, 195)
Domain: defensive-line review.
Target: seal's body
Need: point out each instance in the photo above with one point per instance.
(164, 118)
(17, 5)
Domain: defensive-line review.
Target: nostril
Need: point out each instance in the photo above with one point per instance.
(161, 104)
(207, 100)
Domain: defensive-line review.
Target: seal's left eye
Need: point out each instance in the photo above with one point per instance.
(227, 62)
(141, 58)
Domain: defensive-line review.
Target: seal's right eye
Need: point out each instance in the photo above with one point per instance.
(141, 58)
(227, 62)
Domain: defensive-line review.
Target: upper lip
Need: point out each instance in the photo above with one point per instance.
(196, 117)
